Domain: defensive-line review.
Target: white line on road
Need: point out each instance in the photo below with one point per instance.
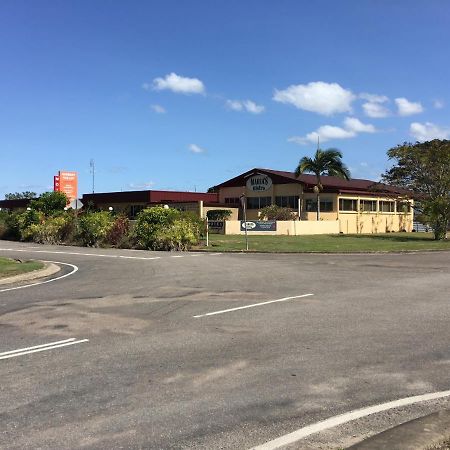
(74, 267)
(253, 305)
(41, 348)
(347, 417)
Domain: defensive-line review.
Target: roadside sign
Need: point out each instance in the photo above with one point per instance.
(76, 204)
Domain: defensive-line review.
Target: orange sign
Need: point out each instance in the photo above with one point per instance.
(68, 183)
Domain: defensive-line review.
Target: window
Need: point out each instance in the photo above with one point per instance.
(325, 205)
(232, 200)
(386, 206)
(287, 201)
(403, 207)
(348, 205)
(368, 205)
(258, 202)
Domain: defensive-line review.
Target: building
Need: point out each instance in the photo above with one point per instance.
(131, 202)
(18, 205)
(359, 206)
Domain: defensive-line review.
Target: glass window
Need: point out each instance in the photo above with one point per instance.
(387, 206)
(348, 204)
(258, 202)
(368, 205)
(325, 205)
(287, 201)
(403, 207)
(135, 210)
(232, 200)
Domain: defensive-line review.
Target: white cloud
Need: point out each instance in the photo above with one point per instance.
(178, 84)
(194, 148)
(374, 106)
(428, 131)
(374, 98)
(245, 105)
(438, 104)
(158, 109)
(352, 126)
(375, 110)
(317, 96)
(141, 185)
(407, 108)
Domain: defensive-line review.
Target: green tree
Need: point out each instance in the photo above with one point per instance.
(325, 162)
(50, 202)
(274, 212)
(20, 195)
(424, 167)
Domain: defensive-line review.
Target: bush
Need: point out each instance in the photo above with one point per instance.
(180, 235)
(3, 224)
(94, 228)
(118, 235)
(50, 203)
(219, 214)
(52, 231)
(275, 212)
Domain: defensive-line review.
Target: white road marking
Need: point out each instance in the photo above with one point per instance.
(177, 256)
(139, 257)
(41, 348)
(74, 267)
(36, 346)
(347, 417)
(253, 305)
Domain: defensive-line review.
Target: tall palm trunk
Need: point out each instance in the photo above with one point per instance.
(318, 205)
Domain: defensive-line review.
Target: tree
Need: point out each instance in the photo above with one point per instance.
(424, 167)
(50, 202)
(274, 212)
(20, 195)
(325, 162)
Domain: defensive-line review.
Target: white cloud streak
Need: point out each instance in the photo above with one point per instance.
(428, 131)
(318, 97)
(438, 104)
(407, 108)
(158, 109)
(194, 148)
(352, 127)
(177, 84)
(245, 105)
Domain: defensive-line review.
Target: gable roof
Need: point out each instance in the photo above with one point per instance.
(330, 184)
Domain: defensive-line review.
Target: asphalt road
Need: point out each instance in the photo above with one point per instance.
(152, 375)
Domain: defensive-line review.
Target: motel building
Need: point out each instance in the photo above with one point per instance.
(353, 206)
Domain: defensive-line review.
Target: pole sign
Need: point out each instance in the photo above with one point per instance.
(68, 183)
(56, 184)
(259, 182)
(259, 225)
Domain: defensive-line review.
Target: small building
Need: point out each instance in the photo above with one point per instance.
(359, 206)
(131, 202)
(16, 205)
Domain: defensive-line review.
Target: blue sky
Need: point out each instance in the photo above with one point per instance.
(183, 95)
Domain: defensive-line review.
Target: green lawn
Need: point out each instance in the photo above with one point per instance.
(391, 242)
(10, 267)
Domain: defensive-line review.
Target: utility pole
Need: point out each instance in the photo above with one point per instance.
(92, 166)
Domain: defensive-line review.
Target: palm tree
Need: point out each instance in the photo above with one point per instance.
(325, 162)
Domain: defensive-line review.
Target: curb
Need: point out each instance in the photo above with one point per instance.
(49, 269)
(416, 434)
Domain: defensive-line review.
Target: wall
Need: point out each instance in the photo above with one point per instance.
(288, 228)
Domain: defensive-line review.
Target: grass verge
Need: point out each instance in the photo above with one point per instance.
(343, 243)
(11, 267)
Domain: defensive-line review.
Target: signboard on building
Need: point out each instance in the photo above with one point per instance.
(259, 182)
(66, 182)
(259, 225)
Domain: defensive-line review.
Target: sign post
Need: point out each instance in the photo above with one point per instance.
(244, 207)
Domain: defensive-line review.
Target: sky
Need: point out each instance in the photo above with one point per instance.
(183, 95)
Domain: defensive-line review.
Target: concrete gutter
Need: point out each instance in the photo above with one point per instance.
(418, 434)
(47, 270)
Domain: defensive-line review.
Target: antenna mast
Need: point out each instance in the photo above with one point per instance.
(92, 166)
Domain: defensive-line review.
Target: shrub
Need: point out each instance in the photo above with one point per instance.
(150, 222)
(180, 235)
(274, 212)
(219, 214)
(52, 231)
(50, 202)
(94, 228)
(118, 235)
(3, 224)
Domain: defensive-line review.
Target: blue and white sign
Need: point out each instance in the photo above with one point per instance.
(259, 225)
